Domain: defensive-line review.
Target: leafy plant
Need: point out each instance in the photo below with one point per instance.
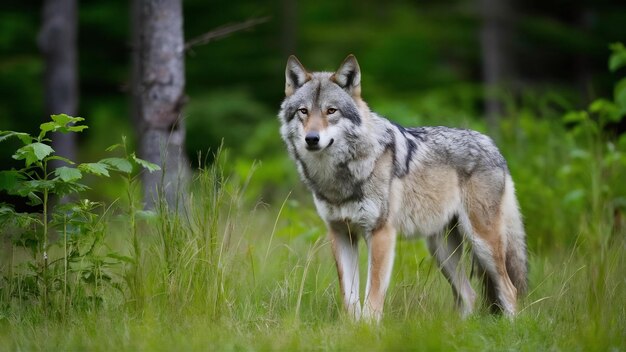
(591, 175)
(78, 223)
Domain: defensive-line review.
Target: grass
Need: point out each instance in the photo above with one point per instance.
(570, 308)
(232, 277)
(228, 274)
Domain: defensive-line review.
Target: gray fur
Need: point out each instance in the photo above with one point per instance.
(371, 172)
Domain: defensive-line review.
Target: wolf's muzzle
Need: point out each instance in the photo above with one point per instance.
(312, 139)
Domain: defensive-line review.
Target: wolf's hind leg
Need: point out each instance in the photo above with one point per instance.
(381, 246)
(447, 249)
(490, 294)
(346, 252)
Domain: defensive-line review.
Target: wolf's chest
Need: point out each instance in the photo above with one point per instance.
(356, 191)
(365, 213)
(359, 202)
(335, 184)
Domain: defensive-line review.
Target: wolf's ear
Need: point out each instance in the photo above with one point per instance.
(348, 76)
(295, 75)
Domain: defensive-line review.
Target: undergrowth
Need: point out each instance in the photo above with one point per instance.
(226, 273)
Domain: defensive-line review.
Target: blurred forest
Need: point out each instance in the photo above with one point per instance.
(245, 265)
(423, 62)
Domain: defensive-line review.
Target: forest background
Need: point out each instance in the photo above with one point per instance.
(543, 78)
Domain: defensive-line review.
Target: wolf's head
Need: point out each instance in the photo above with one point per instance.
(321, 109)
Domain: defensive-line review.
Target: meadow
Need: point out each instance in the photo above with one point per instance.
(229, 271)
(241, 261)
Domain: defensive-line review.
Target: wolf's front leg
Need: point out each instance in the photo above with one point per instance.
(346, 251)
(381, 247)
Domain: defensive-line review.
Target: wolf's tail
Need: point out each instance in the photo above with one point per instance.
(516, 255)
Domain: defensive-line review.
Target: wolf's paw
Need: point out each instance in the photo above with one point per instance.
(371, 315)
(354, 311)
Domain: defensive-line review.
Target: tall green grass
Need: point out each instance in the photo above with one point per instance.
(231, 272)
(226, 274)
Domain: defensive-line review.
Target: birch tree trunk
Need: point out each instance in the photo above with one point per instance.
(158, 97)
(57, 43)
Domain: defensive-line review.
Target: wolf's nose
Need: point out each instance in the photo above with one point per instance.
(312, 138)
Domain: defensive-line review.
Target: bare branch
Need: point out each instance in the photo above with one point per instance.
(224, 31)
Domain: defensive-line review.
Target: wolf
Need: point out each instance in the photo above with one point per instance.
(372, 179)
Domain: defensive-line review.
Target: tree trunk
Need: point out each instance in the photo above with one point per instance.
(495, 36)
(158, 97)
(57, 42)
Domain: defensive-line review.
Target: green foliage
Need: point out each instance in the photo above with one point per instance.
(123, 165)
(80, 229)
(617, 61)
(144, 164)
(618, 58)
(568, 168)
(216, 278)
(233, 273)
(599, 158)
(68, 174)
(232, 118)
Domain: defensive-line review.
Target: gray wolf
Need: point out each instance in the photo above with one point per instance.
(372, 179)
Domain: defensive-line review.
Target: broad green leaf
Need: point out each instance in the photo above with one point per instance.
(33, 199)
(618, 57)
(62, 123)
(68, 174)
(33, 152)
(98, 169)
(24, 137)
(42, 150)
(119, 164)
(601, 105)
(38, 185)
(575, 116)
(47, 126)
(9, 179)
(605, 108)
(7, 213)
(64, 119)
(63, 188)
(146, 164)
(77, 128)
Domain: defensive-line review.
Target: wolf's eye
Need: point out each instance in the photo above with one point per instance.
(303, 111)
(331, 111)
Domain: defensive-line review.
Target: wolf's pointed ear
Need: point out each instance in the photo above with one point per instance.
(348, 76)
(295, 75)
